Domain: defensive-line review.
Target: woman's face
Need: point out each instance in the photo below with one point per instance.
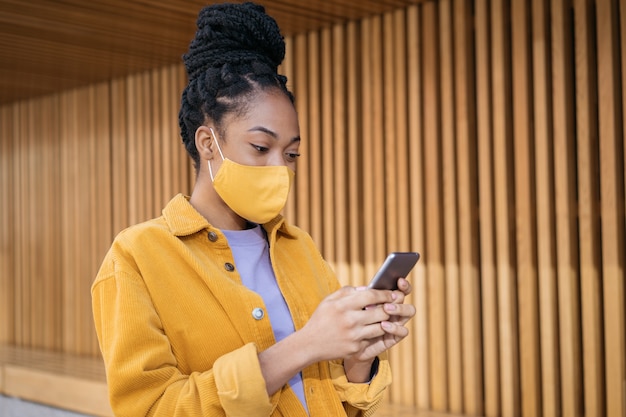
(268, 134)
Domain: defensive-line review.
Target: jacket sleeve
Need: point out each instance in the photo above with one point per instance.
(142, 374)
(361, 400)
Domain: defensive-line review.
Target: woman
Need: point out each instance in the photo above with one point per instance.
(219, 307)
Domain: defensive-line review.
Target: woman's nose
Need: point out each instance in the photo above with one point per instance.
(276, 159)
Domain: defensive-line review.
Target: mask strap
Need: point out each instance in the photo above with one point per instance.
(218, 148)
(217, 143)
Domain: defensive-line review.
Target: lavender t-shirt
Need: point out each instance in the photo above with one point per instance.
(252, 258)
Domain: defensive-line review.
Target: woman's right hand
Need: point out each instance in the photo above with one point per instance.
(342, 326)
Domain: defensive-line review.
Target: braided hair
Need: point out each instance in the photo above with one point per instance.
(235, 54)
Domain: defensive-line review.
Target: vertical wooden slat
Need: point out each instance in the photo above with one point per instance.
(167, 138)
(329, 177)
(8, 240)
(550, 381)
(338, 144)
(147, 141)
(182, 162)
(90, 173)
(566, 227)
(287, 68)
(486, 198)
(450, 208)
(137, 122)
(29, 202)
(50, 231)
(55, 215)
(377, 146)
(438, 352)
(504, 203)
(315, 138)
(70, 160)
(465, 114)
(133, 150)
(589, 218)
(401, 121)
(530, 365)
(119, 155)
(84, 184)
(388, 142)
(611, 130)
(156, 140)
(32, 205)
(373, 146)
(368, 61)
(301, 86)
(416, 198)
(353, 157)
(24, 222)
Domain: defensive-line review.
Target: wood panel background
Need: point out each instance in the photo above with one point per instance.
(488, 135)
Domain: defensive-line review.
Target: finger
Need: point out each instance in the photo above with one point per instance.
(340, 293)
(405, 286)
(372, 331)
(394, 329)
(373, 314)
(400, 310)
(372, 297)
(400, 296)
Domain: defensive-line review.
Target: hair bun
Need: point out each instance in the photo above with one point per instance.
(234, 34)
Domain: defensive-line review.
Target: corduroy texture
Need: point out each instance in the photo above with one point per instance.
(176, 329)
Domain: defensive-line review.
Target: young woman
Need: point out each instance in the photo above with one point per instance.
(220, 307)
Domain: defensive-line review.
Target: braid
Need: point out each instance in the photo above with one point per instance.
(236, 51)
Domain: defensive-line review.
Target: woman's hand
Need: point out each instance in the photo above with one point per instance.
(341, 326)
(358, 365)
(354, 324)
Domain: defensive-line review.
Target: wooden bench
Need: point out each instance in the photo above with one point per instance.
(61, 380)
(78, 383)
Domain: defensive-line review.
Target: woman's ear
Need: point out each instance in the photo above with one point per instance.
(204, 142)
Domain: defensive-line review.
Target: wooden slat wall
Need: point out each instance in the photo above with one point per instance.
(76, 169)
(487, 135)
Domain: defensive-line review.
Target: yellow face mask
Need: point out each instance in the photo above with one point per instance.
(256, 193)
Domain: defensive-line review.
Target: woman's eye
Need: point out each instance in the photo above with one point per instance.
(261, 149)
(291, 156)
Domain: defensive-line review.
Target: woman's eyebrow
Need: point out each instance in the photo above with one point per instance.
(270, 132)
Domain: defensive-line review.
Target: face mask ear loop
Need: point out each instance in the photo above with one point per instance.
(218, 148)
(217, 143)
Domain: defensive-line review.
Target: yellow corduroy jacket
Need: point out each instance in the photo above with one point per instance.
(178, 336)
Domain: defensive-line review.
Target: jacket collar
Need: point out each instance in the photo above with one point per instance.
(184, 220)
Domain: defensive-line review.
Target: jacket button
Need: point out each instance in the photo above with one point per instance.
(229, 267)
(212, 236)
(258, 313)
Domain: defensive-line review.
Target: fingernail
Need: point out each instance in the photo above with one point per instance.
(390, 307)
(386, 325)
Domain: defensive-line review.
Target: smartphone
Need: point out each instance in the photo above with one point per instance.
(397, 265)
